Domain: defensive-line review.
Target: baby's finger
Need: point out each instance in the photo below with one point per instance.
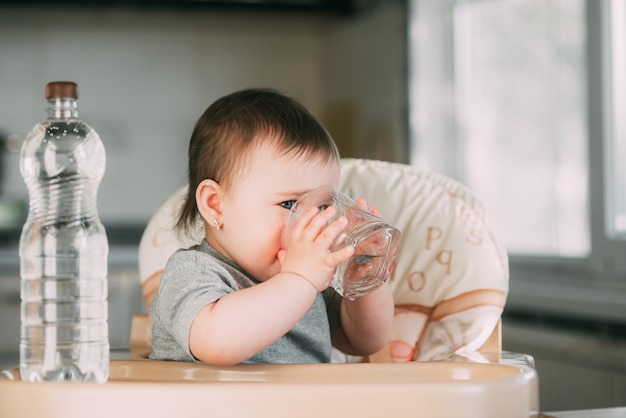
(332, 231)
(318, 224)
(363, 203)
(281, 256)
(335, 258)
(303, 222)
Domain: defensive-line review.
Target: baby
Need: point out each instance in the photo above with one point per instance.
(238, 296)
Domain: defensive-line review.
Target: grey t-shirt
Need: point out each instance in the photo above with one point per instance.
(196, 277)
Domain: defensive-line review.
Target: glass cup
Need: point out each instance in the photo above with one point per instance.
(375, 242)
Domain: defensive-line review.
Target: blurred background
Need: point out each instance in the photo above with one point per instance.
(521, 100)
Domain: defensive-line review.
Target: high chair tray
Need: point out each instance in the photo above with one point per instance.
(176, 389)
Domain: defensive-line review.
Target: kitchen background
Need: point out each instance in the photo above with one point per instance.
(147, 70)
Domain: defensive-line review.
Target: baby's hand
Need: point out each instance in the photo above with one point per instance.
(309, 252)
(363, 203)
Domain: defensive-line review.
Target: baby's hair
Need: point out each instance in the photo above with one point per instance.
(229, 131)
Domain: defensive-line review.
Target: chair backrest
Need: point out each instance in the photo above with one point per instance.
(451, 278)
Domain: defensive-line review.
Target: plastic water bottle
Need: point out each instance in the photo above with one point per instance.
(63, 248)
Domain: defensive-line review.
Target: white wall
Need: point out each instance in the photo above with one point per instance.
(144, 78)
(365, 80)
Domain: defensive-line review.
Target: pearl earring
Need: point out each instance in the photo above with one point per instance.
(218, 224)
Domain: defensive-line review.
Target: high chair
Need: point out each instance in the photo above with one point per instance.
(450, 284)
(451, 277)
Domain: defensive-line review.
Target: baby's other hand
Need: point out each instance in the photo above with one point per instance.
(309, 253)
(363, 203)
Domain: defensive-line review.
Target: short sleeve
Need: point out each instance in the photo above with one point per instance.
(190, 281)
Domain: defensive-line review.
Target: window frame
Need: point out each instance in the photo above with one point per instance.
(608, 255)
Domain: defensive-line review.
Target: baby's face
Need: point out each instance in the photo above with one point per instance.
(255, 210)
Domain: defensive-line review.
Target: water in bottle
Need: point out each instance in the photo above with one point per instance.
(63, 248)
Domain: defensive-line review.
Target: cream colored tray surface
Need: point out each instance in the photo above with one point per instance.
(144, 388)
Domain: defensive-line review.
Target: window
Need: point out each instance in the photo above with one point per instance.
(616, 148)
(515, 93)
(523, 101)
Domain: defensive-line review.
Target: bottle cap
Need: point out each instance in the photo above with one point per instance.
(61, 89)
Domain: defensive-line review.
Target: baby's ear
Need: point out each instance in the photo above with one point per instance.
(209, 200)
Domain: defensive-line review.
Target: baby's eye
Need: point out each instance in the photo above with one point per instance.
(288, 204)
